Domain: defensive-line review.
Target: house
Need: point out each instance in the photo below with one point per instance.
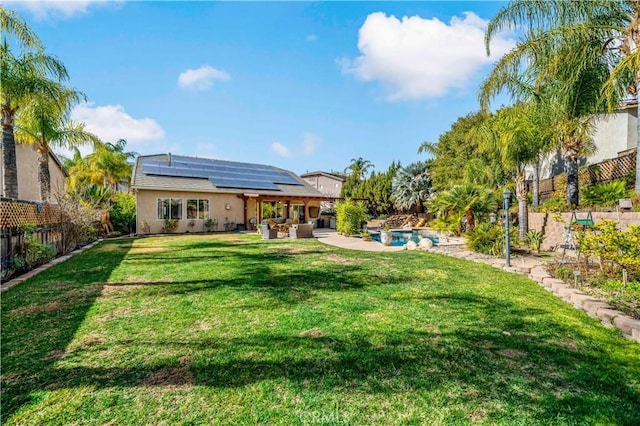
(27, 159)
(327, 183)
(231, 194)
(615, 135)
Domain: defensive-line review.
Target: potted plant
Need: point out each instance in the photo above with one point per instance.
(191, 224)
(385, 235)
(366, 236)
(208, 224)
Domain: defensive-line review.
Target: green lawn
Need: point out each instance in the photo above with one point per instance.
(230, 329)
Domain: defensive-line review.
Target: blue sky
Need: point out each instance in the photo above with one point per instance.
(303, 86)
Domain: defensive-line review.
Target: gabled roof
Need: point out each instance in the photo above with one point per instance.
(181, 173)
(320, 173)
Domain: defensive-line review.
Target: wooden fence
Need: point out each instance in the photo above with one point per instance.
(44, 223)
(606, 171)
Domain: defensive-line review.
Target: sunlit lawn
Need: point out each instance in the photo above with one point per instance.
(206, 329)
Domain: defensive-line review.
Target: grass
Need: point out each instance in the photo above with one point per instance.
(230, 329)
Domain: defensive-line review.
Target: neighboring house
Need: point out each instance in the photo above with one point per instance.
(28, 183)
(327, 183)
(230, 193)
(614, 135)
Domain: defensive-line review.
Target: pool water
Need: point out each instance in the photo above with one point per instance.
(400, 238)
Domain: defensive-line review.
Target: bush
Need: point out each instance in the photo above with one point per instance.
(350, 216)
(535, 238)
(170, 225)
(604, 194)
(123, 213)
(614, 247)
(487, 238)
(553, 205)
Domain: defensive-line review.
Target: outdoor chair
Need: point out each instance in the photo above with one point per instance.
(303, 230)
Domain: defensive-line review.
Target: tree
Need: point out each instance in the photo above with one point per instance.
(30, 75)
(358, 168)
(463, 201)
(587, 49)
(13, 27)
(46, 124)
(457, 157)
(411, 187)
(515, 136)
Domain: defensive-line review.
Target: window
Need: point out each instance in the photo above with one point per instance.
(169, 208)
(197, 209)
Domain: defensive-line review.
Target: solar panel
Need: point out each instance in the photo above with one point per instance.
(224, 174)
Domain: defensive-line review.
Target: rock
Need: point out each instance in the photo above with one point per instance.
(626, 324)
(426, 243)
(411, 245)
(607, 315)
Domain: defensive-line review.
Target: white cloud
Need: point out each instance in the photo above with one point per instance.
(416, 58)
(311, 37)
(51, 9)
(111, 122)
(280, 149)
(201, 78)
(310, 142)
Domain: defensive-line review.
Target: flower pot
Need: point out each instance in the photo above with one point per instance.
(386, 238)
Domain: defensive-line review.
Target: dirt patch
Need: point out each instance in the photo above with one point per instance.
(144, 250)
(111, 248)
(118, 288)
(336, 258)
(56, 354)
(113, 314)
(185, 360)
(512, 353)
(313, 333)
(174, 377)
(91, 339)
(64, 301)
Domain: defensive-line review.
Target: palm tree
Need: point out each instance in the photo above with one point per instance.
(46, 125)
(358, 168)
(606, 31)
(411, 187)
(467, 200)
(24, 78)
(518, 138)
(562, 77)
(13, 26)
(112, 161)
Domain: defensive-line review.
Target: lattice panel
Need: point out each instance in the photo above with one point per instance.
(17, 213)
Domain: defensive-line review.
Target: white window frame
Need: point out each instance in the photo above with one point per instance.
(199, 208)
(171, 200)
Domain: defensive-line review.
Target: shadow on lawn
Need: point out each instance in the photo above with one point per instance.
(498, 360)
(41, 316)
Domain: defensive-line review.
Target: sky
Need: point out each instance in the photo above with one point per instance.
(300, 85)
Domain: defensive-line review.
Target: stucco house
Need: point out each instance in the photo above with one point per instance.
(614, 135)
(327, 183)
(231, 194)
(28, 183)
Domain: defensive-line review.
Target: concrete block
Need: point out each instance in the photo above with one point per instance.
(607, 315)
(557, 285)
(635, 334)
(567, 292)
(626, 324)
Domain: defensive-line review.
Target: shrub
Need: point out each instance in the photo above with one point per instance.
(123, 213)
(350, 216)
(612, 246)
(604, 194)
(553, 205)
(535, 238)
(487, 238)
(170, 225)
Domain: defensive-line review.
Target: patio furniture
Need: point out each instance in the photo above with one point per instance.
(304, 230)
(268, 233)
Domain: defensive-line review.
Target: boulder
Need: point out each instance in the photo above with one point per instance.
(426, 244)
(411, 245)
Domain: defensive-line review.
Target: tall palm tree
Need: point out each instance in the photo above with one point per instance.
(511, 134)
(411, 187)
(24, 78)
(47, 125)
(13, 26)
(567, 78)
(608, 30)
(359, 168)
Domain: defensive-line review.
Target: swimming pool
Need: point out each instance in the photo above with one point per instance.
(400, 238)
